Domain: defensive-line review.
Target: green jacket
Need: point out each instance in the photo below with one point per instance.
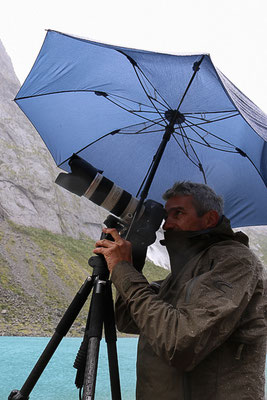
(202, 336)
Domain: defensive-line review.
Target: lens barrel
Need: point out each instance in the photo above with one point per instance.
(86, 180)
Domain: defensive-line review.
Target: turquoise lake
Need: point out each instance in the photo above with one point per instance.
(19, 354)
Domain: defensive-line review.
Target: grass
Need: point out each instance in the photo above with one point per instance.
(40, 273)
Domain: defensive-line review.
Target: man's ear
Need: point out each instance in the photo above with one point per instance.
(211, 218)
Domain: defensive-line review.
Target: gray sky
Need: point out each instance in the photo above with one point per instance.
(234, 32)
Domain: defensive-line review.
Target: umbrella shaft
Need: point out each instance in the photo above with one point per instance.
(168, 131)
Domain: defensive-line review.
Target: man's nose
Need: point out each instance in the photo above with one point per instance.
(168, 224)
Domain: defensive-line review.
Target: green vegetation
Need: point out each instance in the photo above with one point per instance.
(40, 273)
(153, 272)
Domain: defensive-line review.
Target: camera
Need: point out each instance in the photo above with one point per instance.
(86, 180)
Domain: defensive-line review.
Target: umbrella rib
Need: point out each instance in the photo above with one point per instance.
(152, 111)
(108, 98)
(114, 132)
(200, 166)
(140, 131)
(237, 151)
(183, 138)
(147, 94)
(104, 94)
(212, 134)
(135, 65)
(208, 133)
(135, 102)
(165, 104)
(196, 67)
(177, 132)
(185, 152)
(202, 138)
(101, 93)
(203, 144)
(147, 112)
(201, 118)
(210, 112)
(51, 93)
(243, 154)
(90, 144)
(208, 144)
(131, 112)
(211, 121)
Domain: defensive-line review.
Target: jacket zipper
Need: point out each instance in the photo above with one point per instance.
(186, 376)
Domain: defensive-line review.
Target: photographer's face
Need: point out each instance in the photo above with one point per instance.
(182, 215)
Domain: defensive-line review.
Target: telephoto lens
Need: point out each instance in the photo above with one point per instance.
(86, 180)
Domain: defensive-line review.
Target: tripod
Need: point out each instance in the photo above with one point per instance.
(101, 313)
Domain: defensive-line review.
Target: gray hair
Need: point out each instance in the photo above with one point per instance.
(204, 198)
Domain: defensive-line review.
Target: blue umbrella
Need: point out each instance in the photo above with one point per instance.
(113, 106)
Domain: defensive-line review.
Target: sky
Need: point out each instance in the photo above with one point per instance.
(233, 32)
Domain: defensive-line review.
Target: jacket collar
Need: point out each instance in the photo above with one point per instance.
(183, 245)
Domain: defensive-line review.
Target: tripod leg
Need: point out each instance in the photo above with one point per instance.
(60, 331)
(96, 320)
(111, 339)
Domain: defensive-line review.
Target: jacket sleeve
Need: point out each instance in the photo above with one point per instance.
(124, 320)
(208, 314)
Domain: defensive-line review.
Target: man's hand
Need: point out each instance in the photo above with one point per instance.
(114, 252)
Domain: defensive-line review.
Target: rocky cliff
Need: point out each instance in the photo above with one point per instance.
(28, 194)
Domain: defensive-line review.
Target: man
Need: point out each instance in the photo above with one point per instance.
(202, 336)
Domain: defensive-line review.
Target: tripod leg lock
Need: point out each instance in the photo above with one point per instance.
(16, 395)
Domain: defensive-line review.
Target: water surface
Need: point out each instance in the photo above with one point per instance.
(19, 355)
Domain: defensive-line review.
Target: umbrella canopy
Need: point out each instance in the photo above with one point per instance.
(111, 106)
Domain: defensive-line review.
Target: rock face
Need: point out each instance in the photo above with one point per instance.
(28, 194)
